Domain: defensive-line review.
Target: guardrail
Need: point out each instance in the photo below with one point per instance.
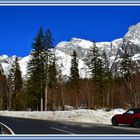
(5, 130)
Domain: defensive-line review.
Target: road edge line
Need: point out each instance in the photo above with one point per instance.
(11, 131)
(62, 130)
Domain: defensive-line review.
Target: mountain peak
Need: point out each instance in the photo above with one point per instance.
(75, 39)
(133, 34)
(4, 56)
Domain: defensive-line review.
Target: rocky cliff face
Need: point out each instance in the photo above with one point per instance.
(1, 69)
(64, 50)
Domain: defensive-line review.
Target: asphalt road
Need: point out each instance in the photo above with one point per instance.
(31, 126)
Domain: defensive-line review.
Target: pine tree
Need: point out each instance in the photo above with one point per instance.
(94, 63)
(49, 55)
(38, 70)
(36, 79)
(99, 69)
(53, 82)
(16, 85)
(99, 82)
(128, 74)
(61, 85)
(92, 60)
(74, 78)
(3, 91)
(74, 72)
(107, 78)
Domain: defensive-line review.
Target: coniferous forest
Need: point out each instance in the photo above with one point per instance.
(45, 89)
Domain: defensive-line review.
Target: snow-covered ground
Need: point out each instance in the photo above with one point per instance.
(82, 115)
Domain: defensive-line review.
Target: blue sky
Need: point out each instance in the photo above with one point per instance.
(19, 25)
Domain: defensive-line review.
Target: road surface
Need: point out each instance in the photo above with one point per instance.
(32, 126)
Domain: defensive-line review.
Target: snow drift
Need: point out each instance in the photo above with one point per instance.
(99, 116)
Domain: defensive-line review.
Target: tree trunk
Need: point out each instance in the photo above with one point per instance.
(46, 98)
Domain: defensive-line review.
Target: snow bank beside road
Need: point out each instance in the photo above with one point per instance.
(93, 116)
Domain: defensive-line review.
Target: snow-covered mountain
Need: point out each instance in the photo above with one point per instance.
(65, 49)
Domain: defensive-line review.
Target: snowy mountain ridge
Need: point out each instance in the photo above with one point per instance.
(64, 50)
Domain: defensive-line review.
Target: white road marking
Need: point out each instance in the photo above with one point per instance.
(62, 130)
(11, 131)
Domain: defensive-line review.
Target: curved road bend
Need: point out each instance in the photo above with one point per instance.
(32, 126)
